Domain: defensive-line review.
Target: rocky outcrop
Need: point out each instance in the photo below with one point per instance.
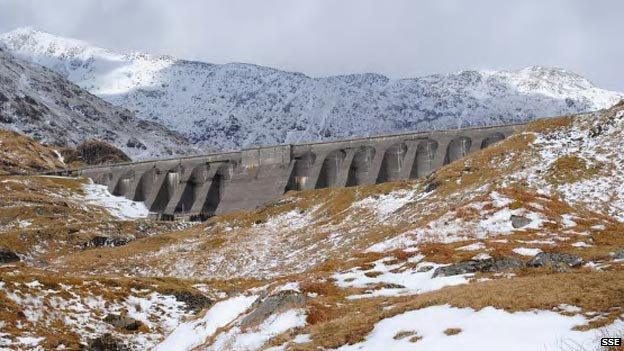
(107, 241)
(501, 264)
(95, 152)
(519, 221)
(107, 342)
(278, 302)
(194, 302)
(560, 262)
(123, 322)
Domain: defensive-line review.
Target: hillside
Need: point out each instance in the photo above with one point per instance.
(517, 246)
(236, 105)
(20, 154)
(45, 106)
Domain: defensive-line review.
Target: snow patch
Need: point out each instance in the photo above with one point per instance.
(117, 206)
(524, 251)
(192, 334)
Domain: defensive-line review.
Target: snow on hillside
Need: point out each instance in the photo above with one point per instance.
(487, 329)
(117, 206)
(509, 236)
(236, 105)
(50, 109)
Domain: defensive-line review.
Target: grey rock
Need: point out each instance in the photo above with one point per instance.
(424, 269)
(106, 241)
(495, 265)
(619, 255)
(519, 221)
(459, 268)
(122, 322)
(278, 302)
(506, 264)
(107, 342)
(554, 260)
(194, 302)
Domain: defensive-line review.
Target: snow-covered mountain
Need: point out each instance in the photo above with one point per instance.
(42, 104)
(236, 105)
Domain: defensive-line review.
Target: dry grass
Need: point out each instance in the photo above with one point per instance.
(592, 291)
(571, 168)
(452, 331)
(21, 155)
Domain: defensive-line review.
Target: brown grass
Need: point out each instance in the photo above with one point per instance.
(403, 334)
(22, 155)
(452, 331)
(571, 168)
(592, 291)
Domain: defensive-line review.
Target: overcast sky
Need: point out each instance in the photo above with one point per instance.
(400, 38)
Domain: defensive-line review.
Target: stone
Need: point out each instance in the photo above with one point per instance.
(458, 268)
(281, 301)
(431, 186)
(106, 241)
(7, 256)
(107, 342)
(554, 259)
(494, 265)
(424, 269)
(194, 302)
(519, 221)
(506, 264)
(619, 255)
(122, 322)
(135, 143)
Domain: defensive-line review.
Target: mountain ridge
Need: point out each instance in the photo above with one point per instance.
(43, 105)
(235, 105)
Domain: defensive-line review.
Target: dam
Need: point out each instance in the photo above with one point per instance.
(198, 187)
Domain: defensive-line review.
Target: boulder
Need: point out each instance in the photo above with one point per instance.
(106, 241)
(495, 265)
(122, 322)
(557, 261)
(7, 256)
(519, 221)
(135, 143)
(619, 255)
(107, 342)
(505, 264)
(194, 302)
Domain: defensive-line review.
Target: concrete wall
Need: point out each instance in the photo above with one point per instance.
(202, 186)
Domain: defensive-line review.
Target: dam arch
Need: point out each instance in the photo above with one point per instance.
(328, 177)
(360, 166)
(423, 163)
(393, 162)
(301, 171)
(457, 148)
(492, 139)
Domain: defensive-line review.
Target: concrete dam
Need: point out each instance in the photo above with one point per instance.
(198, 187)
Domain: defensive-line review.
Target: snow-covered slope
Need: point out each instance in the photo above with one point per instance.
(47, 107)
(236, 105)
